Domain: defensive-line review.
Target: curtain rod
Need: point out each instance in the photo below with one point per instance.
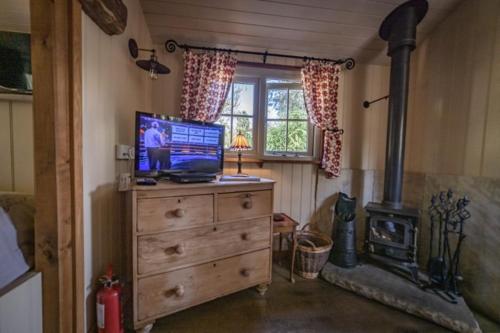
(171, 45)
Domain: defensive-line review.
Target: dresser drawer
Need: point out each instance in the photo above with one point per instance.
(162, 214)
(233, 206)
(170, 292)
(179, 248)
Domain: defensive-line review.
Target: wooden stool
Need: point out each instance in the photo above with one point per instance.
(286, 226)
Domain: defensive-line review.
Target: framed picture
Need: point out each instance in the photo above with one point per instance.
(15, 63)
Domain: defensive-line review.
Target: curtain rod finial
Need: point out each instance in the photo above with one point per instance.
(171, 45)
(350, 63)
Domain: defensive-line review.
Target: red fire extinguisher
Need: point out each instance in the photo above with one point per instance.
(109, 312)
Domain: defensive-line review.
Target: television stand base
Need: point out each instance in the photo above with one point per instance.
(192, 177)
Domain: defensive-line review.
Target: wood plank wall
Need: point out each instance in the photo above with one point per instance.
(294, 191)
(16, 145)
(454, 113)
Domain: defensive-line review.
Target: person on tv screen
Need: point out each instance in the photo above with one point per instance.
(154, 141)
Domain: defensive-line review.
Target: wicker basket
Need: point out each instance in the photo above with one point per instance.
(313, 249)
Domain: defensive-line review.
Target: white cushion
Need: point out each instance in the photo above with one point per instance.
(12, 263)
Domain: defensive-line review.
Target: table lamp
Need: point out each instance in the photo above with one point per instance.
(239, 144)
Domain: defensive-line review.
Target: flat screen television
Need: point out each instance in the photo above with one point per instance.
(173, 145)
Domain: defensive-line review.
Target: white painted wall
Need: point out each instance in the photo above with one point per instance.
(113, 89)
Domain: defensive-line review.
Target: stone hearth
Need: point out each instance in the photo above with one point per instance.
(390, 289)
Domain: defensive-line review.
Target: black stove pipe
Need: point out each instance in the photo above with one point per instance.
(399, 29)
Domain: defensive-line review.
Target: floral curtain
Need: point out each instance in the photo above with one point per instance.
(207, 79)
(321, 82)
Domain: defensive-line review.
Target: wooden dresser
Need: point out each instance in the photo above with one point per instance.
(190, 243)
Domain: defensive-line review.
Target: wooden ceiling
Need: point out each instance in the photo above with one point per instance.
(321, 28)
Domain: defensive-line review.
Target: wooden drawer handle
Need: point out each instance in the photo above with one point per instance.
(179, 249)
(245, 272)
(247, 204)
(179, 212)
(244, 236)
(178, 291)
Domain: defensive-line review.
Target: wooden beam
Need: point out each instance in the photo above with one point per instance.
(109, 15)
(56, 62)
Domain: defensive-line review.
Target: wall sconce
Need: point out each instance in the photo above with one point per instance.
(152, 65)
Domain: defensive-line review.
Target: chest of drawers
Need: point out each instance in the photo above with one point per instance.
(191, 243)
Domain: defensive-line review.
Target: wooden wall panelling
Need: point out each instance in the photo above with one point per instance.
(364, 129)
(294, 188)
(491, 154)
(484, 25)
(379, 86)
(353, 91)
(56, 63)
(296, 192)
(306, 200)
(286, 188)
(21, 305)
(6, 176)
(16, 144)
(22, 148)
(452, 70)
(276, 173)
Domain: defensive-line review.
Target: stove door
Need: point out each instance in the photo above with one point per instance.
(390, 236)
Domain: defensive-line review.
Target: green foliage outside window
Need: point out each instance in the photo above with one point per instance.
(237, 113)
(287, 127)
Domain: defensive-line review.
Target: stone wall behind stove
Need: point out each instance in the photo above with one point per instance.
(480, 262)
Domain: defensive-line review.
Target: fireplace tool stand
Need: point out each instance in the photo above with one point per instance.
(447, 223)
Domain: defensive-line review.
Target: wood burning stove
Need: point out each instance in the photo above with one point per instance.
(391, 237)
(391, 229)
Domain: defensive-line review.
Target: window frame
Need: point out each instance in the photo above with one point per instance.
(260, 75)
(310, 128)
(246, 80)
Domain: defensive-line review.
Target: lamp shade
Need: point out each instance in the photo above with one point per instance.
(152, 65)
(240, 143)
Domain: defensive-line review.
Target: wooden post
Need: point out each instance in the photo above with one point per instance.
(56, 41)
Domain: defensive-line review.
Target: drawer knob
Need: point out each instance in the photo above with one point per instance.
(178, 249)
(179, 212)
(245, 272)
(247, 204)
(178, 291)
(244, 236)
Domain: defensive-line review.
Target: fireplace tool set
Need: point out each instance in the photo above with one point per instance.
(447, 218)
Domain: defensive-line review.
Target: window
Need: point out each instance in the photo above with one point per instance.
(287, 126)
(238, 113)
(267, 106)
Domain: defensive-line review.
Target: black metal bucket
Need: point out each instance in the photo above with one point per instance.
(344, 250)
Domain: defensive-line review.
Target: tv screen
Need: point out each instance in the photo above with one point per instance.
(177, 145)
(15, 63)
